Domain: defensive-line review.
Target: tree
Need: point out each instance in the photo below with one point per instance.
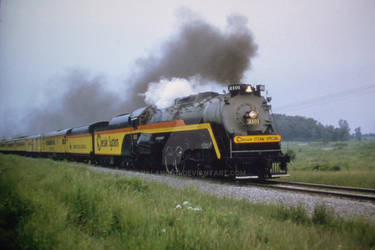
(296, 128)
(358, 133)
(343, 130)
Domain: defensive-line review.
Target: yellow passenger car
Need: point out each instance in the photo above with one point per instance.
(20, 144)
(53, 142)
(79, 141)
(33, 144)
(3, 146)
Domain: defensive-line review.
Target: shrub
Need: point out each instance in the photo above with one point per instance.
(322, 215)
(296, 214)
(335, 168)
(326, 167)
(291, 154)
(340, 145)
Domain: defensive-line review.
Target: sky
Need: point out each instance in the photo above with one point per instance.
(316, 58)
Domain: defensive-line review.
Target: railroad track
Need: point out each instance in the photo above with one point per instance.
(329, 190)
(365, 194)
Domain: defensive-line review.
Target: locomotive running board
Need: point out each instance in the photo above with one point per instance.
(247, 177)
(257, 177)
(279, 175)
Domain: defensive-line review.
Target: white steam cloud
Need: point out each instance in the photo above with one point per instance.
(163, 93)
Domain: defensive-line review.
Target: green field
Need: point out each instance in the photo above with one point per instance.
(59, 205)
(337, 163)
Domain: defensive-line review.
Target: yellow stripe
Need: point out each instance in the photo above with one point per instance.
(213, 140)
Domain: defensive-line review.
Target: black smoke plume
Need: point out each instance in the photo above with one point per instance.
(197, 49)
(201, 49)
(85, 101)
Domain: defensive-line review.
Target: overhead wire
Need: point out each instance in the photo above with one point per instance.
(341, 95)
(363, 90)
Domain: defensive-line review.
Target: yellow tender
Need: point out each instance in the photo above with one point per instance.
(109, 142)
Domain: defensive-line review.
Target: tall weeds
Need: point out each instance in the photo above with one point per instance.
(56, 205)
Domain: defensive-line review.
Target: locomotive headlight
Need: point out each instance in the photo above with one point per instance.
(249, 89)
(253, 114)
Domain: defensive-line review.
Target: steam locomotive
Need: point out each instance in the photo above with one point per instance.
(228, 134)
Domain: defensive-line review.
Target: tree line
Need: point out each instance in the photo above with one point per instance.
(299, 128)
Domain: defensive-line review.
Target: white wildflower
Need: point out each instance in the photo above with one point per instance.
(178, 206)
(185, 203)
(163, 230)
(194, 208)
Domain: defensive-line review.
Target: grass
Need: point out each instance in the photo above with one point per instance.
(59, 205)
(336, 163)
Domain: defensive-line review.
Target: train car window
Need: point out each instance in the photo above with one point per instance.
(159, 139)
(144, 138)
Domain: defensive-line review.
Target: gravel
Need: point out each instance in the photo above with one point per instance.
(346, 208)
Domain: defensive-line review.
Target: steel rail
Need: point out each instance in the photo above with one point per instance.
(329, 190)
(325, 186)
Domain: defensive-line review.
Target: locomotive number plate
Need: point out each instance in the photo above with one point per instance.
(252, 121)
(257, 138)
